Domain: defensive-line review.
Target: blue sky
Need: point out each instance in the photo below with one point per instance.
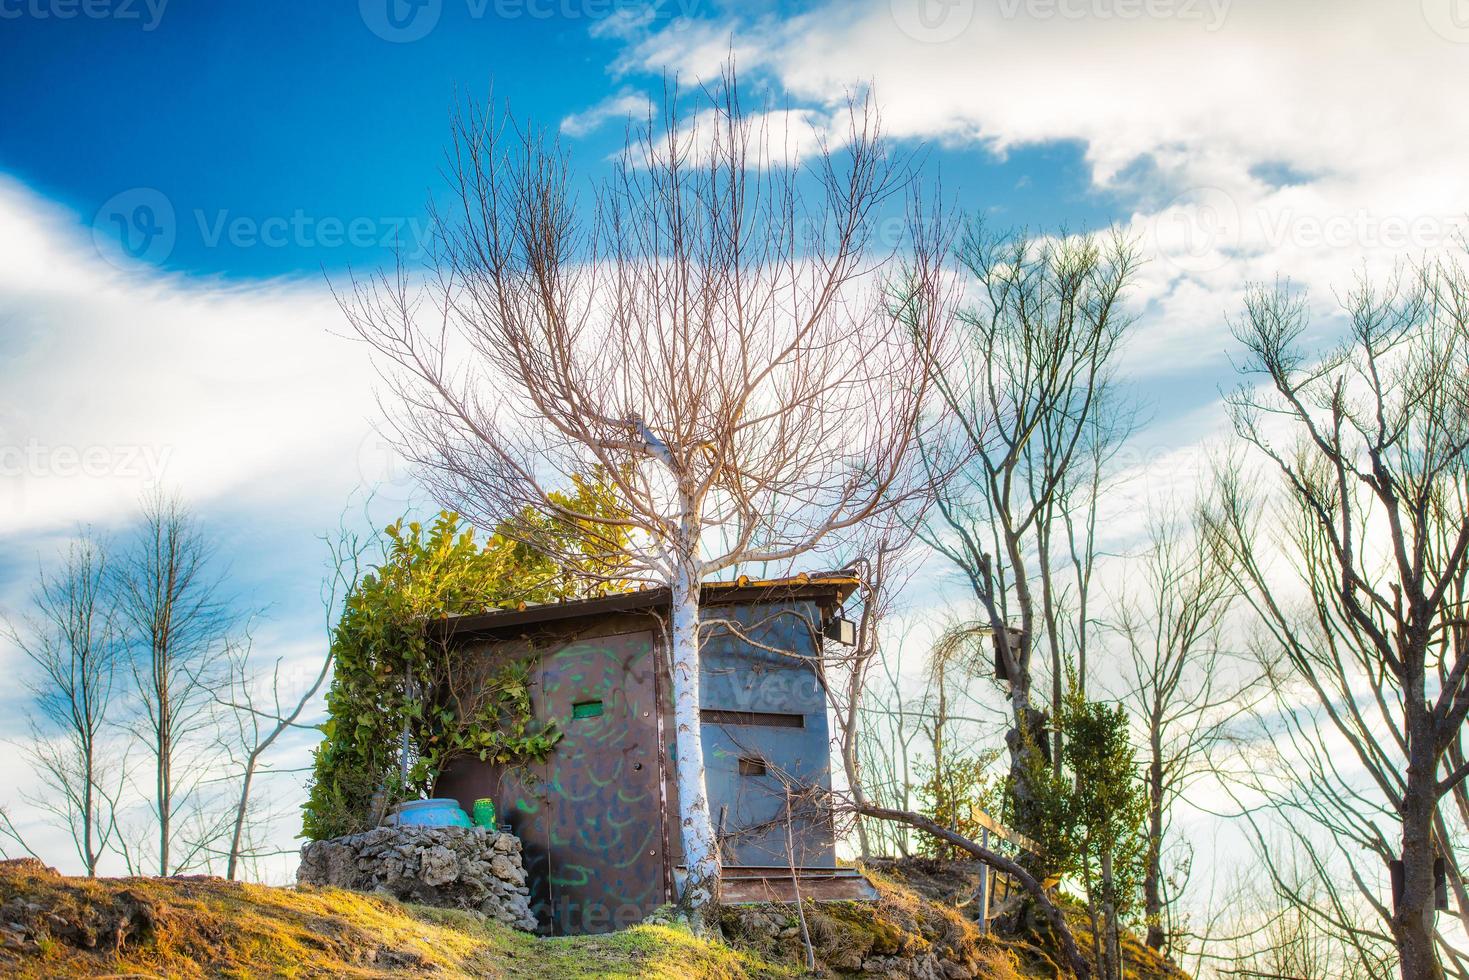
(179, 184)
(263, 110)
(291, 120)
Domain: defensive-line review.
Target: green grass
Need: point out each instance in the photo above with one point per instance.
(205, 927)
(152, 927)
(643, 951)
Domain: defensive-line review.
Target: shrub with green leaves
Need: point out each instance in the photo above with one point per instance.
(1092, 815)
(952, 794)
(391, 676)
(1097, 800)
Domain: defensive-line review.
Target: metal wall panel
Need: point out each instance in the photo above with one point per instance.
(601, 795)
(761, 664)
(588, 817)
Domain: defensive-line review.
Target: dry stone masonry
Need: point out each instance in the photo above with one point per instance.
(450, 867)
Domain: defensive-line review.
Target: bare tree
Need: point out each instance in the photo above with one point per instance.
(1186, 688)
(1361, 589)
(72, 640)
(720, 334)
(957, 774)
(879, 577)
(176, 625)
(1031, 395)
(262, 707)
(888, 724)
(1260, 932)
(886, 559)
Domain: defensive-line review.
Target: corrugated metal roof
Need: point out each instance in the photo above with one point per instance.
(837, 585)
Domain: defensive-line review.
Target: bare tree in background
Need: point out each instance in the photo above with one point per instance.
(889, 723)
(262, 708)
(956, 778)
(176, 626)
(1362, 588)
(880, 572)
(1186, 689)
(1031, 394)
(922, 730)
(721, 335)
(1261, 933)
(885, 562)
(72, 640)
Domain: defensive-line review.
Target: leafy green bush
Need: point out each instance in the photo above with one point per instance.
(951, 794)
(1091, 818)
(391, 676)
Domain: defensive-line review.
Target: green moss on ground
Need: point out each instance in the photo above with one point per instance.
(847, 937)
(663, 952)
(52, 925)
(1031, 948)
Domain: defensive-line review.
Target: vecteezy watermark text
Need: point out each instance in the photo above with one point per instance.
(402, 21)
(1209, 13)
(147, 13)
(141, 224)
(941, 21)
(1362, 229)
(1201, 229)
(302, 230)
(38, 459)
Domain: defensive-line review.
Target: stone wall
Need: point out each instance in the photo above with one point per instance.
(451, 867)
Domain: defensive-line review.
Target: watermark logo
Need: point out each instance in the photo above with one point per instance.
(408, 236)
(400, 21)
(41, 460)
(386, 474)
(1449, 19)
(933, 21)
(141, 225)
(1200, 230)
(1197, 230)
(1360, 229)
(137, 225)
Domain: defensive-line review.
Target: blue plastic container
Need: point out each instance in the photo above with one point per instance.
(431, 813)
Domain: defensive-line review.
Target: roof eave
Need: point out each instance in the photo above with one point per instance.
(835, 588)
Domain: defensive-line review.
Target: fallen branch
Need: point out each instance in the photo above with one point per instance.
(1000, 863)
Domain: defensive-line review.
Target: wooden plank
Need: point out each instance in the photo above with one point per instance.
(820, 885)
(1000, 830)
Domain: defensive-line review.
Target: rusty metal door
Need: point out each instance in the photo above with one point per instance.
(603, 812)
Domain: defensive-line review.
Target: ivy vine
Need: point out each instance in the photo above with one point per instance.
(392, 676)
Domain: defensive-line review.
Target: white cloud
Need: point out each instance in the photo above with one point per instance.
(625, 105)
(115, 379)
(1247, 138)
(245, 398)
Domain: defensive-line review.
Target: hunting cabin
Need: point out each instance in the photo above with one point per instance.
(598, 818)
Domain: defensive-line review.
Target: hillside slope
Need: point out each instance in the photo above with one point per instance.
(950, 884)
(51, 925)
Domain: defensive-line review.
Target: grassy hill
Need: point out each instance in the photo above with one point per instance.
(946, 885)
(203, 927)
(51, 925)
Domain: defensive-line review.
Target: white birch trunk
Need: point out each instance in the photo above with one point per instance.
(701, 852)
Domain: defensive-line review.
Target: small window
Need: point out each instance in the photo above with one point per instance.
(586, 709)
(772, 719)
(752, 767)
